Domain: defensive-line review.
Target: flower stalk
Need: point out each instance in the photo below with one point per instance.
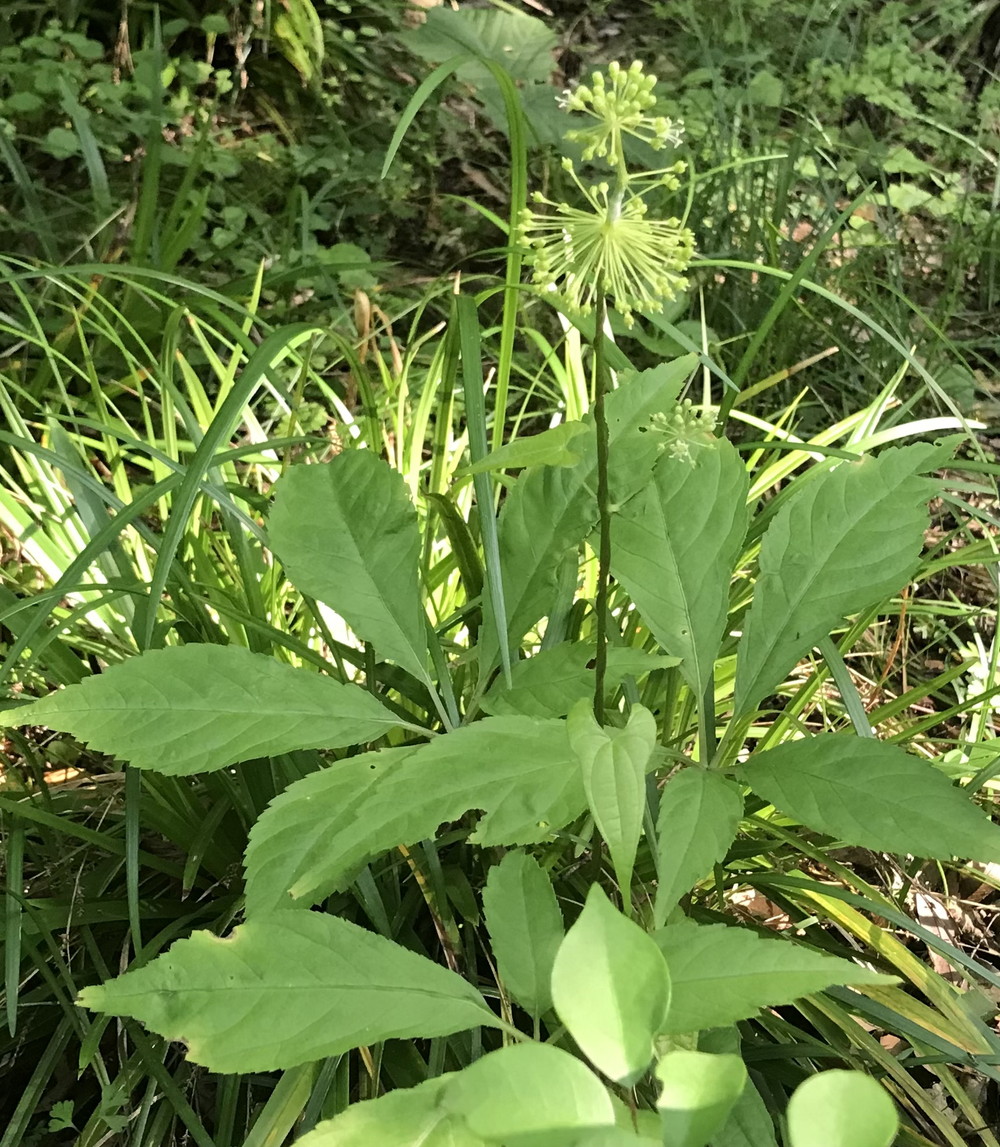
(609, 249)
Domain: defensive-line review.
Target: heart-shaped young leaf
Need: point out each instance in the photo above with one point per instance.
(311, 840)
(674, 546)
(841, 1109)
(875, 795)
(846, 540)
(527, 1089)
(347, 533)
(526, 927)
(722, 974)
(613, 764)
(611, 988)
(288, 989)
(412, 1117)
(195, 708)
(699, 815)
(698, 1092)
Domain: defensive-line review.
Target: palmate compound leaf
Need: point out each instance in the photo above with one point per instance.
(846, 540)
(526, 928)
(699, 814)
(841, 1109)
(310, 840)
(874, 795)
(195, 708)
(551, 509)
(611, 988)
(347, 533)
(287, 989)
(674, 546)
(721, 974)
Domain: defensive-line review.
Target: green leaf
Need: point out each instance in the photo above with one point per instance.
(528, 1088)
(526, 927)
(766, 90)
(841, 1109)
(846, 540)
(519, 43)
(346, 533)
(613, 764)
(611, 988)
(722, 974)
(875, 795)
(195, 708)
(699, 814)
(311, 839)
(61, 143)
(558, 446)
(749, 1123)
(699, 1091)
(550, 510)
(551, 682)
(674, 546)
(288, 989)
(414, 1117)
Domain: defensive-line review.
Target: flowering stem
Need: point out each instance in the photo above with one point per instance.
(603, 504)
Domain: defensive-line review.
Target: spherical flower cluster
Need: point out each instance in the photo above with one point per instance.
(619, 105)
(609, 243)
(684, 430)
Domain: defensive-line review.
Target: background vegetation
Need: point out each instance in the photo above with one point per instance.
(179, 183)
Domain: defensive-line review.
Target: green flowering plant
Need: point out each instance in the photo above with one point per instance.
(610, 247)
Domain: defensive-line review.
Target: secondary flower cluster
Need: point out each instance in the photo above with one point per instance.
(687, 428)
(610, 245)
(620, 105)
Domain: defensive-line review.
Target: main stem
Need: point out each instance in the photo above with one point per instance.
(603, 505)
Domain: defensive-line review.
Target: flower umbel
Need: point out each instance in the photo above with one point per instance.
(609, 247)
(619, 104)
(611, 243)
(687, 428)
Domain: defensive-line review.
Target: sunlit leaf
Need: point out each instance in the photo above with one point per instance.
(697, 1094)
(613, 764)
(526, 927)
(699, 814)
(875, 795)
(550, 683)
(528, 1088)
(722, 974)
(313, 838)
(611, 988)
(195, 708)
(844, 541)
(289, 989)
(551, 509)
(841, 1109)
(557, 446)
(674, 546)
(411, 1117)
(346, 533)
